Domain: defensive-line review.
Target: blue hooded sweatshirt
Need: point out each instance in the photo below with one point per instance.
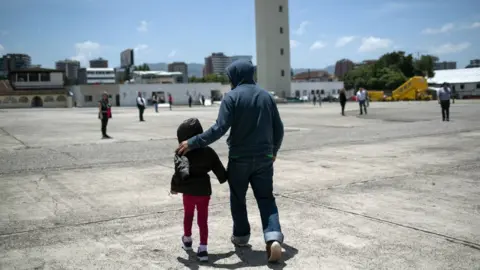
(250, 112)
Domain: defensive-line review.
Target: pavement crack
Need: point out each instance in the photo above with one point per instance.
(446, 237)
(13, 137)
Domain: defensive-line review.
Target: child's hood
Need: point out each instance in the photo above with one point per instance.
(188, 129)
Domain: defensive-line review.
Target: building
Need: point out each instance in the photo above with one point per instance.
(342, 67)
(273, 46)
(464, 82)
(89, 95)
(216, 64)
(70, 69)
(307, 89)
(34, 87)
(179, 67)
(14, 61)
(179, 92)
(475, 63)
(241, 57)
(155, 77)
(100, 75)
(99, 63)
(445, 65)
(82, 76)
(313, 76)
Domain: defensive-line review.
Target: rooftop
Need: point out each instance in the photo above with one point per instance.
(157, 73)
(35, 69)
(464, 75)
(100, 69)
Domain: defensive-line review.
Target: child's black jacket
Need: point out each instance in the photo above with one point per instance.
(191, 170)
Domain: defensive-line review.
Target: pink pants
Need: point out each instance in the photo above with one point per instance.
(189, 204)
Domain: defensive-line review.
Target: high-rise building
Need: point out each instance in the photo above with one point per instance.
(216, 64)
(273, 46)
(15, 61)
(69, 67)
(99, 63)
(179, 67)
(445, 65)
(241, 57)
(342, 67)
(475, 63)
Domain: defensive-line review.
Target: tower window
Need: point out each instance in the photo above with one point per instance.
(281, 30)
(280, 8)
(281, 51)
(283, 73)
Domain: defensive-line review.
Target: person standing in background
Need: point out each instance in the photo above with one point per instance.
(190, 101)
(104, 113)
(361, 96)
(314, 100)
(155, 102)
(170, 101)
(140, 106)
(343, 100)
(444, 96)
(203, 100)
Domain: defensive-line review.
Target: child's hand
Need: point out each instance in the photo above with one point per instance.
(173, 192)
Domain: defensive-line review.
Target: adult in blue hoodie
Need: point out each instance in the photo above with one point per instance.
(255, 138)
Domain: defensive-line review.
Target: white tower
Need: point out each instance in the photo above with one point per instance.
(273, 46)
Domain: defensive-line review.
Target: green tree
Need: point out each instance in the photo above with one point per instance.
(143, 67)
(424, 66)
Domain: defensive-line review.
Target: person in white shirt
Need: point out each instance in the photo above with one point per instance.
(361, 97)
(141, 106)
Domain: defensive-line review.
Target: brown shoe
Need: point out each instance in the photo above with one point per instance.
(274, 251)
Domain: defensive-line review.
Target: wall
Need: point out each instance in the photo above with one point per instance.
(25, 101)
(129, 92)
(96, 92)
(469, 89)
(56, 80)
(328, 87)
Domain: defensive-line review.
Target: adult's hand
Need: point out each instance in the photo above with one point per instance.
(183, 148)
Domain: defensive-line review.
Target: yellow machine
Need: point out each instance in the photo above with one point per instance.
(416, 88)
(375, 95)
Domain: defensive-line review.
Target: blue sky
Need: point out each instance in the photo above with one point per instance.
(321, 31)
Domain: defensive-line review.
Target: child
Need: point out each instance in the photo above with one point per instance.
(191, 178)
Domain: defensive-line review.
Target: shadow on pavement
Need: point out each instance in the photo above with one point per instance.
(248, 258)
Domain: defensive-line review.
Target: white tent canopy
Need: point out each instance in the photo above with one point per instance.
(464, 75)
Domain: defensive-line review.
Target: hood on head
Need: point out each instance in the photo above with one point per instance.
(241, 72)
(188, 129)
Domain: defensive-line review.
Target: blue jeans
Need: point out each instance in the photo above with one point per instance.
(156, 107)
(258, 172)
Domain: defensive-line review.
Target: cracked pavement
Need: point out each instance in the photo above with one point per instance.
(394, 189)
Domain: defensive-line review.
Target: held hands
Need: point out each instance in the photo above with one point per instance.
(183, 148)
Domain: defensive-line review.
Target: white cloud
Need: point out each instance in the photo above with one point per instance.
(294, 44)
(450, 48)
(444, 29)
(86, 51)
(475, 25)
(370, 44)
(317, 45)
(302, 28)
(344, 41)
(143, 27)
(1, 48)
(172, 54)
(141, 47)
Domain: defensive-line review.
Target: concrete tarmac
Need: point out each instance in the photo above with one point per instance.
(394, 189)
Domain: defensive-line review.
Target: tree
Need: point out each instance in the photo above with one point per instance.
(424, 66)
(143, 67)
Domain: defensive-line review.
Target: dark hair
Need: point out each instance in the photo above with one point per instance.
(188, 129)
